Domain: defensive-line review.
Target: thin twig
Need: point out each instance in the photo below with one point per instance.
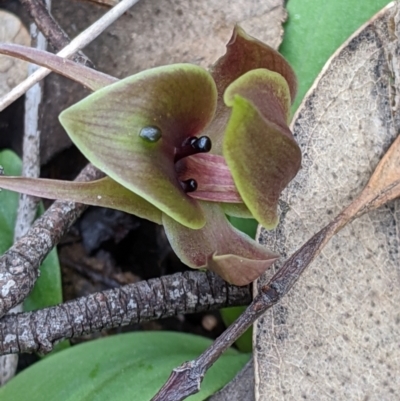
(77, 44)
(94, 276)
(180, 293)
(51, 30)
(107, 3)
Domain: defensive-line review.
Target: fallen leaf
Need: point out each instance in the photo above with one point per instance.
(12, 70)
(335, 335)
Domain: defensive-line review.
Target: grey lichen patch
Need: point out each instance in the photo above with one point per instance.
(338, 337)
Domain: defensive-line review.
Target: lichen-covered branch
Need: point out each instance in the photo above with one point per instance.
(19, 266)
(187, 292)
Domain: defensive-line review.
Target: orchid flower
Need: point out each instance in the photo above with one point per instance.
(185, 147)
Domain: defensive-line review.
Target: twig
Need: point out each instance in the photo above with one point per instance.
(77, 44)
(50, 29)
(86, 271)
(107, 3)
(187, 292)
(27, 207)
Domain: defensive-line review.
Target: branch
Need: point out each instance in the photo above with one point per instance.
(77, 44)
(187, 292)
(50, 29)
(186, 379)
(19, 266)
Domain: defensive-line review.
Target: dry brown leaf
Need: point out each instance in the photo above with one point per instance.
(335, 336)
(12, 70)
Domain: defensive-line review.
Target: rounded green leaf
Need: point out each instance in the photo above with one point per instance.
(113, 126)
(125, 367)
(11, 164)
(230, 315)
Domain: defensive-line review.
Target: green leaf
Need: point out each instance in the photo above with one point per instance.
(315, 29)
(125, 367)
(47, 290)
(247, 226)
(131, 131)
(48, 287)
(245, 341)
(11, 164)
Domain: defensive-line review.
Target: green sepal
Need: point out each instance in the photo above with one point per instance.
(104, 192)
(107, 126)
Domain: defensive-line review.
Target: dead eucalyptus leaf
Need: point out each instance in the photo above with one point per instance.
(384, 184)
(336, 334)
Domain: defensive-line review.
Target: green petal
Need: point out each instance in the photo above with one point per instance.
(258, 145)
(88, 77)
(131, 129)
(243, 53)
(218, 246)
(104, 192)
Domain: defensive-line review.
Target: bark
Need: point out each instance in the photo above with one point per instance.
(19, 266)
(187, 292)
